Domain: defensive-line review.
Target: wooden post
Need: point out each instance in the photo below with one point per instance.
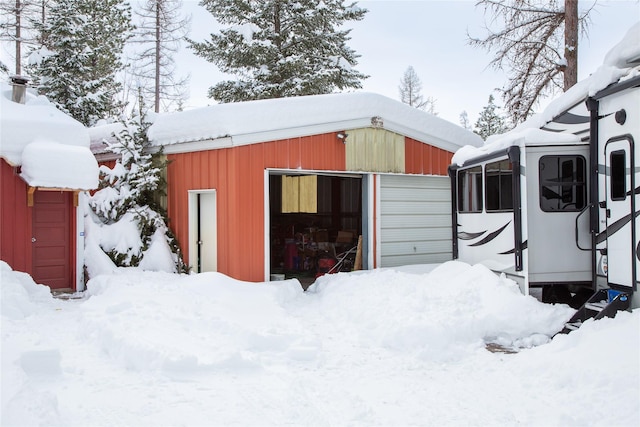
(357, 265)
(30, 192)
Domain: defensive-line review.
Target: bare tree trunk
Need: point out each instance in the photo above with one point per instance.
(157, 88)
(276, 21)
(43, 20)
(18, 36)
(570, 43)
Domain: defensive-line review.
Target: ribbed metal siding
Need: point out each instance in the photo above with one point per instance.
(375, 150)
(415, 220)
(237, 175)
(15, 220)
(425, 159)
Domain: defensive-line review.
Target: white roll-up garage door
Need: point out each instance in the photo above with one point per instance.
(415, 220)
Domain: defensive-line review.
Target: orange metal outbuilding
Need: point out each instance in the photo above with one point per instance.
(238, 175)
(365, 155)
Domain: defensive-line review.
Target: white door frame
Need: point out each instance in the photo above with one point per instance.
(620, 242)
(267, 227)
(80, 234)
(194, 225)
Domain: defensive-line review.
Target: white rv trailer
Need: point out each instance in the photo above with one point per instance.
(554, 203)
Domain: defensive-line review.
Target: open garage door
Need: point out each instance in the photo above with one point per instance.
(415, 220)
(315, 220)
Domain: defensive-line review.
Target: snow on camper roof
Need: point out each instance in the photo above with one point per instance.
(520, 137)
(273, 119)
(621, 62)
(51, 147)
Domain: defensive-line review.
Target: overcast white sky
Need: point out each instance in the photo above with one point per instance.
(431, 36)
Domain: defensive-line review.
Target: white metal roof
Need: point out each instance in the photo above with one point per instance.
(242, 123)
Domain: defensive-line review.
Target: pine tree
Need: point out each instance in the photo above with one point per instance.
(158, 36)
(133, 179)
(130, 191)
(490, 122)
(83, 44)
(280, 48)
(464, 120)
(410, 89)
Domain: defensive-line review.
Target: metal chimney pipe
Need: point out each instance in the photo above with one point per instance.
(19, 92)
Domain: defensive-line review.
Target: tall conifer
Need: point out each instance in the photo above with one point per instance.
(279, 48)
(490, 122)
(79, 61)
(131, 190)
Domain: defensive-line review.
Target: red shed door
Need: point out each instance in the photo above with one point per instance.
(51, 238)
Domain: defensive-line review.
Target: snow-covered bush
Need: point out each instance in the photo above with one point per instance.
(128, 196)
(135, 178)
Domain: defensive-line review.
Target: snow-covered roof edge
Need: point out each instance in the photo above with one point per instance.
(21, 124)
(51, 147)
(619, 64)
(53, 165)
(101, 135)
(267, 120)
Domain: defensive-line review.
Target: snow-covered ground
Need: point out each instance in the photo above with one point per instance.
(386, 347)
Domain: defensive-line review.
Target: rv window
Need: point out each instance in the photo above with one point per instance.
(470, 190)
(498, 181)
(618, 175)
(562, 183)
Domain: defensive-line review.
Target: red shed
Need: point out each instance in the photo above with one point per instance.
(262, 189)
(45, 164)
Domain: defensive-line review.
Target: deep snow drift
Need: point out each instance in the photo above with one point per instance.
(384, 347)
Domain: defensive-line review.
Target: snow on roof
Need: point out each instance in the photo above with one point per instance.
(273, 119)
(103, 133)
(50, 164)
(620, 63)
(519, 137)
(51, 147)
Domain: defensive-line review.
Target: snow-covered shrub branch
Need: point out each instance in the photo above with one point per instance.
(129, 192)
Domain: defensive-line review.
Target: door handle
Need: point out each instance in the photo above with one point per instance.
(33, 240)
(608, 213)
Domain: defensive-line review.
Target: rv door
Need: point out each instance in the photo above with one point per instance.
(619, 213)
